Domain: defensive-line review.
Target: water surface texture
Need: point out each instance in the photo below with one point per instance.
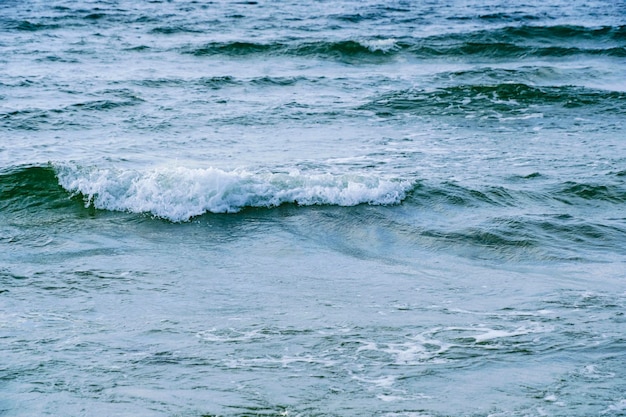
(331, 208)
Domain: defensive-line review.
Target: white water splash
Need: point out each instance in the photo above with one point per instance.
(178, 193)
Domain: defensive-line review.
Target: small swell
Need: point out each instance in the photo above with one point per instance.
(339, 50)
(573, 192)
(504, 98)
(171, 30)
(234, 48)
(28, 26)
(502, 43)
(524, 41)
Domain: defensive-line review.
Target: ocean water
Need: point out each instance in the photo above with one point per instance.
(330, 208)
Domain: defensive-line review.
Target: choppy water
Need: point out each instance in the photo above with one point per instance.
(342, 208)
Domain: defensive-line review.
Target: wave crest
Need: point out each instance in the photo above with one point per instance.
(178, 194)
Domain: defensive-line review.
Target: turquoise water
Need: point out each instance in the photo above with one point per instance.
(340, 208)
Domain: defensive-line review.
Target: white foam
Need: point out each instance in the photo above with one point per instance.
(490, 334)
(230, 335)
(417, 350)
(179, 193)
(382, 382)
(382, 45)
(407, 414)
(278, 361)
(396, 398)
(618, 406)
(592, 372)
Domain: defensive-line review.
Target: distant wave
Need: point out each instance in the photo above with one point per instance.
(490, 99)
(569, 193)
(348, 50)
(218, 82)
(28, 26)
(506, 98)
(567, 32)
(178, 194)
(524, 41)
(507, 42)
(169, 30)
(63, 116)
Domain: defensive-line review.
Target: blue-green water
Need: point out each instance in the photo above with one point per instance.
(347, 208)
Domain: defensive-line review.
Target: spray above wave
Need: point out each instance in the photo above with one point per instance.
(178, 194)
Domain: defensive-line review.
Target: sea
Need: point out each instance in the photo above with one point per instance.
(341, 208)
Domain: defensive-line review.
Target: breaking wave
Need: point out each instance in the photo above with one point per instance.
(178, 194)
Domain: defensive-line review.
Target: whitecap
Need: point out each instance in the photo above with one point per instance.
(382, 45)
(180, 193)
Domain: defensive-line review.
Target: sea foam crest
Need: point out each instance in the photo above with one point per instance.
(178, 193)
(382, 45)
